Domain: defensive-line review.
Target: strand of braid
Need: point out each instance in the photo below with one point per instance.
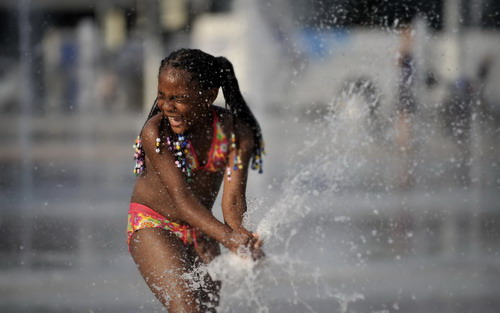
(240, 110)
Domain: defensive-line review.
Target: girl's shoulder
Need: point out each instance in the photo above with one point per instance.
(151, 128)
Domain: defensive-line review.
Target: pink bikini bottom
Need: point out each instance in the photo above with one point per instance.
(140, 216)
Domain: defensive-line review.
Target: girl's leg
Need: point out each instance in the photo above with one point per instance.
(206, 251)
(162, 260)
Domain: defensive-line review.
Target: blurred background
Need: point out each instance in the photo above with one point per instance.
(414, 85)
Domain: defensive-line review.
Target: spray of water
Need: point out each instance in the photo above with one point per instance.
(321, 170)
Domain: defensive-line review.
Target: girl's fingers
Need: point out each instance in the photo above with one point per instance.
(258, 243)
(257, 254)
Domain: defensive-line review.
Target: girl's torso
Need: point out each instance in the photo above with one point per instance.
(205, 184)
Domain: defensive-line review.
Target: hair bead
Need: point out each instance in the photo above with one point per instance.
(157, 150)
(139, 156)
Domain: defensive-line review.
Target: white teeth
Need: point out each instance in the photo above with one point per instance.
(175, 120)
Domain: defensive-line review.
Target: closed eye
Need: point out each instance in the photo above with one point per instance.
(180, 99)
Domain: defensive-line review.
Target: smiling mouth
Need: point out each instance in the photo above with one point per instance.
(175, 121)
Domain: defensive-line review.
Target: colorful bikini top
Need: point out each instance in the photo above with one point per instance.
(219, 150)
(185, 155)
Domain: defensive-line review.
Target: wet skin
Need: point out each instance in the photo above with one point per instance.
(164, 189)
(187, 110)
(160, 255)
(150, 191)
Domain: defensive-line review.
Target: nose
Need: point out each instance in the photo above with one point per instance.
(165, 105)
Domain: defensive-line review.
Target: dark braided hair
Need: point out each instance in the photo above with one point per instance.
(214, 72)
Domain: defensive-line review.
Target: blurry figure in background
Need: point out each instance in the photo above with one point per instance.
(483, 75)
(465, 99)
(406, 106)
(187, 148)
(457, 110)
(483, 71)
(69, 71)
(457, 118)
(107, 91)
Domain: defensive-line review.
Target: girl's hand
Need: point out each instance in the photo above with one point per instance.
(242, 242)
(257, 252)
(239, 239)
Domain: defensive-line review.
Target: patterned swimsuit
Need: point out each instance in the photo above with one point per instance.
(217, 155)
(141, 216)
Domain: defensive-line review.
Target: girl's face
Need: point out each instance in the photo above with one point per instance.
(182, 100)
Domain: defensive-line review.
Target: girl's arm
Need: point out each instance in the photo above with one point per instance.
(234, 203)
(188, 206)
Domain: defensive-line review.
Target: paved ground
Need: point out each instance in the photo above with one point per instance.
(430, 249)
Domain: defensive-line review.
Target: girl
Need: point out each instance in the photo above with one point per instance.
(185, 150)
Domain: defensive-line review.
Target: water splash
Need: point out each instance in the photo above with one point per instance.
(296, 227)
